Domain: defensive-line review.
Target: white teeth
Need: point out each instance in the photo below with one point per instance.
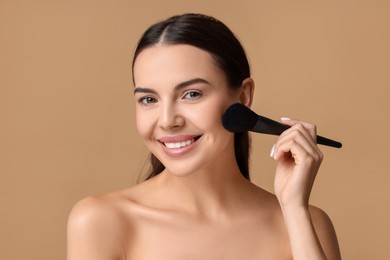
(179, 144)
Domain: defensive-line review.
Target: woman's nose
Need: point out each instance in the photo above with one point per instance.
(170, 118)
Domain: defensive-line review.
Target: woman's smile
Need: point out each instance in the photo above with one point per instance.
(178, 145)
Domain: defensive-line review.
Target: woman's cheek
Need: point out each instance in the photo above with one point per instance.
(142, 124)
(208, 115)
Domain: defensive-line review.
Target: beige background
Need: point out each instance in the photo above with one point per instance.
(67, 114)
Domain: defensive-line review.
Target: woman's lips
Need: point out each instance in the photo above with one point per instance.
(178, 145)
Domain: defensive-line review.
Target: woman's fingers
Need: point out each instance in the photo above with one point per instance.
(311, 128)
(300, 133)
(294, 145)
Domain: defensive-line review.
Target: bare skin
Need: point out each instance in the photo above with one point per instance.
(200, 206)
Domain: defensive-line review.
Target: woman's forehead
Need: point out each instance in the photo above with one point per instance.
(170, 54)
(174, 62)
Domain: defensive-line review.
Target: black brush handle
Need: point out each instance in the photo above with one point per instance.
(268, 126)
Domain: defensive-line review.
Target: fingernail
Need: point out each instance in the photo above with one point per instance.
(285, 119)
(272, 151)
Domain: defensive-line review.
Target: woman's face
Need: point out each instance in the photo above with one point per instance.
(180, 97)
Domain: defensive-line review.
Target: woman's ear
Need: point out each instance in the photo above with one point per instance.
(247, 90)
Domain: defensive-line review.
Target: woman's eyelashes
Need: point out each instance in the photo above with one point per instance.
(146, 101)
(192, 95)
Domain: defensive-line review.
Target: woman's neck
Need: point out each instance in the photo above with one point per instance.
(209, 192)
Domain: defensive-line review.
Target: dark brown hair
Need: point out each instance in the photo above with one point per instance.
(211, 35)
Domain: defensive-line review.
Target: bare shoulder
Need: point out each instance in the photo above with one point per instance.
(322, 222)
(95, 210)
(96, 228)
(326, 232)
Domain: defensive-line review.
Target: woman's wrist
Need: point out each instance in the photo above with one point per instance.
(294, 208)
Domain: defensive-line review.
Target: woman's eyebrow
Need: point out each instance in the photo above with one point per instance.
(144, 90)
(191, 82)
(177, 87)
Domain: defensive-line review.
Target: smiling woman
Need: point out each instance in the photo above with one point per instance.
(212, 36)
(184, 105)
(198, 202)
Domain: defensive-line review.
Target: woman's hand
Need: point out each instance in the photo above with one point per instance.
(299, 159)
(310, 230)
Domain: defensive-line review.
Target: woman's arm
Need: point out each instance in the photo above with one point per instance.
(312, 235)
(310, 230)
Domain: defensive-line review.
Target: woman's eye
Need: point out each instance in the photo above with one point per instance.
(146, 101)
(192, 95)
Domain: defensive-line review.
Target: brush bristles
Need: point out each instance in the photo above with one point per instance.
(238, 118)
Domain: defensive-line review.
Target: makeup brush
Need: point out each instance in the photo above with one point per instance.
(239, 118)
